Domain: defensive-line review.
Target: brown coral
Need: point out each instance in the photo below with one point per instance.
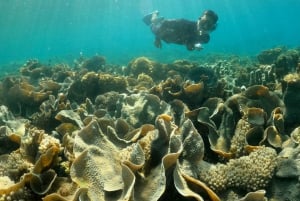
(94, 63)
(177, 131)
(92, 84)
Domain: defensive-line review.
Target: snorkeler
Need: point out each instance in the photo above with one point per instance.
(181, 31)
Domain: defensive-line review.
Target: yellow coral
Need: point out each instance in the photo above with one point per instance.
(249, 173)
(292, 77)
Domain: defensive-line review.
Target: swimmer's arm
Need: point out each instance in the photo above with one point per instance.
(198, 46)
(194, 46)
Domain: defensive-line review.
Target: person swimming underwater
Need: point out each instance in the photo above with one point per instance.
(181, 31)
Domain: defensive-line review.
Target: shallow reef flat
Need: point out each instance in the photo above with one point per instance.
(223, 128)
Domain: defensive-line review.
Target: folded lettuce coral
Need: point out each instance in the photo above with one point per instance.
(139, 109)
(113, 169)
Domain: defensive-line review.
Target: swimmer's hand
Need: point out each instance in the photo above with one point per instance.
(198, 46)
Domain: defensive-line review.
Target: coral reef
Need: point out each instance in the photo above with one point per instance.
(224, 128)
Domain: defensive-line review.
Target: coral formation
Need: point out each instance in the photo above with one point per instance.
(21, 96)
(139, 109)
(291, 98)
(94, 63)
(35, 70)
(92, 84)
(286, 62)
(250, 173)
(224, 128)
(143, 65)
(269, 56)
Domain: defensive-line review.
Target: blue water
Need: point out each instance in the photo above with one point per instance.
(64, 29)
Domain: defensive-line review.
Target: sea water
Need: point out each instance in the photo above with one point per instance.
(61, 30)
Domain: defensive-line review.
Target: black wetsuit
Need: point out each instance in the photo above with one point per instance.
(178, 31)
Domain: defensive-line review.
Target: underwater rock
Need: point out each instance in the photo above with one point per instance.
(269, 56)
(286, 62)
(94, 63)
(284, 189)
(291, 98)
(35, 70)
(204, 74)
(288, 161)
(287, 173)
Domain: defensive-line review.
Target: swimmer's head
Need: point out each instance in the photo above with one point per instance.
(207, 22)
